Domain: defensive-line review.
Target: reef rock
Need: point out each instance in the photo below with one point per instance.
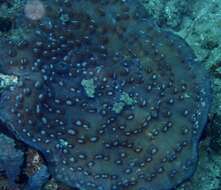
(11, 159)
(109, 99)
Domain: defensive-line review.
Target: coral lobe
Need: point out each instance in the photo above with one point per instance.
(148, 142)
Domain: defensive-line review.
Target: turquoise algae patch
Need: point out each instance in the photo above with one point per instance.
(89, 87)
(133, 125)
(124, 100)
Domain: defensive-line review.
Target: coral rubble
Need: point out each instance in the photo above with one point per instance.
(77, 61)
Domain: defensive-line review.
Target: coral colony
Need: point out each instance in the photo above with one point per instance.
(110, 100)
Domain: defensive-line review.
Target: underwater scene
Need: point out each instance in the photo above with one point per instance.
(110, 95)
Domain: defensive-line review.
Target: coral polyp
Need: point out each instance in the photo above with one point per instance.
(110, 100)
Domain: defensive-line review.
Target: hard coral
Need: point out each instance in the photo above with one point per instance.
(150, 143)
